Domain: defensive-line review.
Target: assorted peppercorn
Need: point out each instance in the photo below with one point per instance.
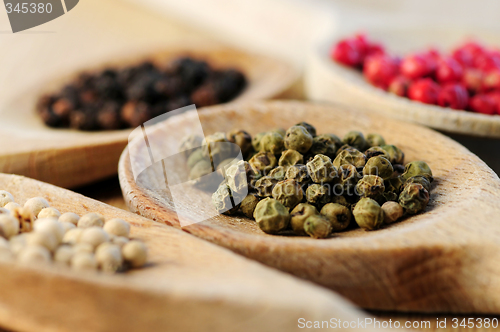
(285, 183)
(122, 98)
(466, 79)
(37, 233)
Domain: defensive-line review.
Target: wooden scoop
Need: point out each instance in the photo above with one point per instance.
(443, 260)
(188, 284)
(70, 158)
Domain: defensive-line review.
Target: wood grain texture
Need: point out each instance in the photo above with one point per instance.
(188, 285)
(328, 81)
(443, 260)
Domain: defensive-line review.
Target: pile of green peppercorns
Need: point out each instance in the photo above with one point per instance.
(311, 184)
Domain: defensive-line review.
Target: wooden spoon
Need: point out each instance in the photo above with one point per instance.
(70, 158)
(188, 285)
(442, 260)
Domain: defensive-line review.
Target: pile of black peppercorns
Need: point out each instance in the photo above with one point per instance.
(123, 98)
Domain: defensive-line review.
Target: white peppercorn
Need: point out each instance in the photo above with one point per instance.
(83, 261)
(64, 254)
(69, 217)
(36, 204)
(109, 257)
(5, 197)
(51, 226)
(9, 226)
(72, 236)
(49, 212)
(17, 243)
(90, 220)
(135, 253)
(11, 206)
(44, 239)
(119, 240)
(34, 254)
(83, 247)
(67, 226)
(25, 218)
(118, 227)
(94, 236)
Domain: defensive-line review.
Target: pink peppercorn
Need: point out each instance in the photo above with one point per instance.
(453, 95)
(417, 66)
(380, 70)
(399, 86)
(449, 70)
(491, 81)
(350, 52)
(495, 96)
(424, 90)
(473, 79)
(482, 103)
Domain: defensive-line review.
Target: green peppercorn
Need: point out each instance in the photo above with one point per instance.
(396, 156)
(299, 215)
(414, 198)
(349, 177)
(272, 142)
(370, 186)
(217, 147)
(318, 227)
(265, 185)
(223, 200)
(338, 215)
(290, 158)
(189, 144)
(355, 139)
(237, 177)
(299, 139)
(195, 157)
(415, 168)
(392, 212)
(242, 139)
(421, 179)
(378, 166)
(248, 205)
(225, 164)
(271, 216)
(323, 144)
(338, 142)
(263, 162)
(375, 151)
(375, 140)
(288, 193)
(203, 167)
(321, 169)
(350, 156)
(368, 214)
(298, 173)
(280, 131)
(256, 141)
(340, 200)
(310, 128)
(317, 194)
(278, 173)
(394, 185)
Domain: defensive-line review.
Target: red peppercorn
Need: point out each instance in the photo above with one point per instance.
(417, 66)
(491, 80)
(380, 70)
(495, 96)
(453, 95)
(350, 52)
(399, 86)
(424, 90)
(473, 79)
(482, 103)
(449, 70)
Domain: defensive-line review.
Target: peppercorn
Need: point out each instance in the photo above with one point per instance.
(135, 253)
(109, 257)
(242, 139)
(310, 128)
(117, 226)
(265, 185)
(368, 214)
(271, 216)
(323, 144)
(202, 168)
(421, 179)
(375, 140)
(120, 241)
(414, 198)
(317, 194)
(338, 142)
(299, 139)
(392, 212)
(11, 206)
(415, 168)
(83, 261)
(355, 139)
(298, 173)
(9, 226)
(378, 166)
(5, 197)
(36, 204)
(375, 151)
(321, 169)
(63, 254)
(370, 186)
(237, 177)
(317, 227)
(50, 226)
(69, 217)
(394, 185)
(256, 141)
(350, 156)
(223, 200)
(90, 220)
(290, 157)
(33, 254)
(24, 217)
(299, 215)
(94, 236)
(288, 193)
(396, 156)
(340, 200)
(43, 239)
(349, 177)
(72, 236)
(67, 226)
(272, 142)
(263, 162)
(338, 215)
(217, 147)
(278, 173)
(49, 212)
(195, 157)
(248, 205)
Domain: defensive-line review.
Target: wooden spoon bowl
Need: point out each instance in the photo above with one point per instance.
(442, 260)
(70, 158)
(188, 284)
